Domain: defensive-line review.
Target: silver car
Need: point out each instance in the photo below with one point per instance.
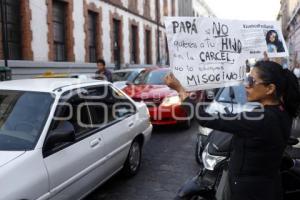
(61, 138)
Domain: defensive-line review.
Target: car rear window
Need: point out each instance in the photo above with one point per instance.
(155, 77)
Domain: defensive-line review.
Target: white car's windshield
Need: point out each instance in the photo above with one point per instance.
(234, 94)
(22, 118)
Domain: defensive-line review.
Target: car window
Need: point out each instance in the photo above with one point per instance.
(108, 105)
(22, 118)
(132, 76)
(120, 76)
(75, 110)
(155, 77)
(123, 106)
(239, 95)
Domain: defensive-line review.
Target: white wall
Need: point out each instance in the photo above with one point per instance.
(39, 29)
(161, 8)
(126, 39)
(106, 8)
(142, 43)
(170, 7)
(140, 6)
(78, 32)
(154, 49)
(152, 9)
(125, 3)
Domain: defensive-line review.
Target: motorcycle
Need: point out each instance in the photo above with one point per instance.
(211, 183)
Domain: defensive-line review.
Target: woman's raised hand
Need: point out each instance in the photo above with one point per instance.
(173, 83)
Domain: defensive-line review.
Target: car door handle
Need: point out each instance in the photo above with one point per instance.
(130, 124)
(95, 142)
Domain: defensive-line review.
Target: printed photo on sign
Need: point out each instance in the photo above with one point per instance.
(274, 43)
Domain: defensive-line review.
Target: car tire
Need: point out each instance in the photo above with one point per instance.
(199, 149)
(133, 160)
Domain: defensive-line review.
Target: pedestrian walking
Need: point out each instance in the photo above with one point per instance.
(259, 136)
(102, 72)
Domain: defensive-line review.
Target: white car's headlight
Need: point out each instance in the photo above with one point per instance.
(204, 130)
(171, 100)
(210, 161)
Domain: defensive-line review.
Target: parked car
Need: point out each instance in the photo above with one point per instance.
(61, 138)
(123, 76)
(163, 103)
(228, 100)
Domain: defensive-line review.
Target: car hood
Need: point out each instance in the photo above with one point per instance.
(149, 91)
(7, 156)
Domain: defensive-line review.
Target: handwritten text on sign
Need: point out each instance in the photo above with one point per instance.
(209, 52)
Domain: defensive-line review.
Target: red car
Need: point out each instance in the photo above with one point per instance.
(163, 103)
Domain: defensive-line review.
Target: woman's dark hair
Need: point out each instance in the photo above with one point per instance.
(287, 86)
(269, 34)
(277, 42)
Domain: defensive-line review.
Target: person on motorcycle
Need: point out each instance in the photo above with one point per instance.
(259, 136)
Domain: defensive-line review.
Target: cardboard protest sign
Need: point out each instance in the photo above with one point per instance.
(209, 52)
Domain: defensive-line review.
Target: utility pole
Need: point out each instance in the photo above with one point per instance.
(3, 8)
(157, 39)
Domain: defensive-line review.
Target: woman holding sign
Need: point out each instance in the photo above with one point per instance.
(259, 137)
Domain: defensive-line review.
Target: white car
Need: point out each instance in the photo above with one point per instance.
(62, 138)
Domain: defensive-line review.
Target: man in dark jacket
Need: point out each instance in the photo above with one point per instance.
(102, 72)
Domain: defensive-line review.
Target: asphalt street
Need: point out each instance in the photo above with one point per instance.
(168, 161)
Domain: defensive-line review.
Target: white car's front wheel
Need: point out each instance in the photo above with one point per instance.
(133, 161)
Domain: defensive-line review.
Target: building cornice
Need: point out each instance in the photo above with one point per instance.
(131, 12)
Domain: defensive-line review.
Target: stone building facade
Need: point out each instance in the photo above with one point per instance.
(69, 35)
(194, 8)
(289, 16)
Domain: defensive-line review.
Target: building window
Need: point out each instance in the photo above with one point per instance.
(117, 42)
(14, 36)
(59, 29)
(148, 46)
(134, 43)
(92, 35)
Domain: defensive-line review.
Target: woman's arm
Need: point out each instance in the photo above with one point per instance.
(243, 124)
